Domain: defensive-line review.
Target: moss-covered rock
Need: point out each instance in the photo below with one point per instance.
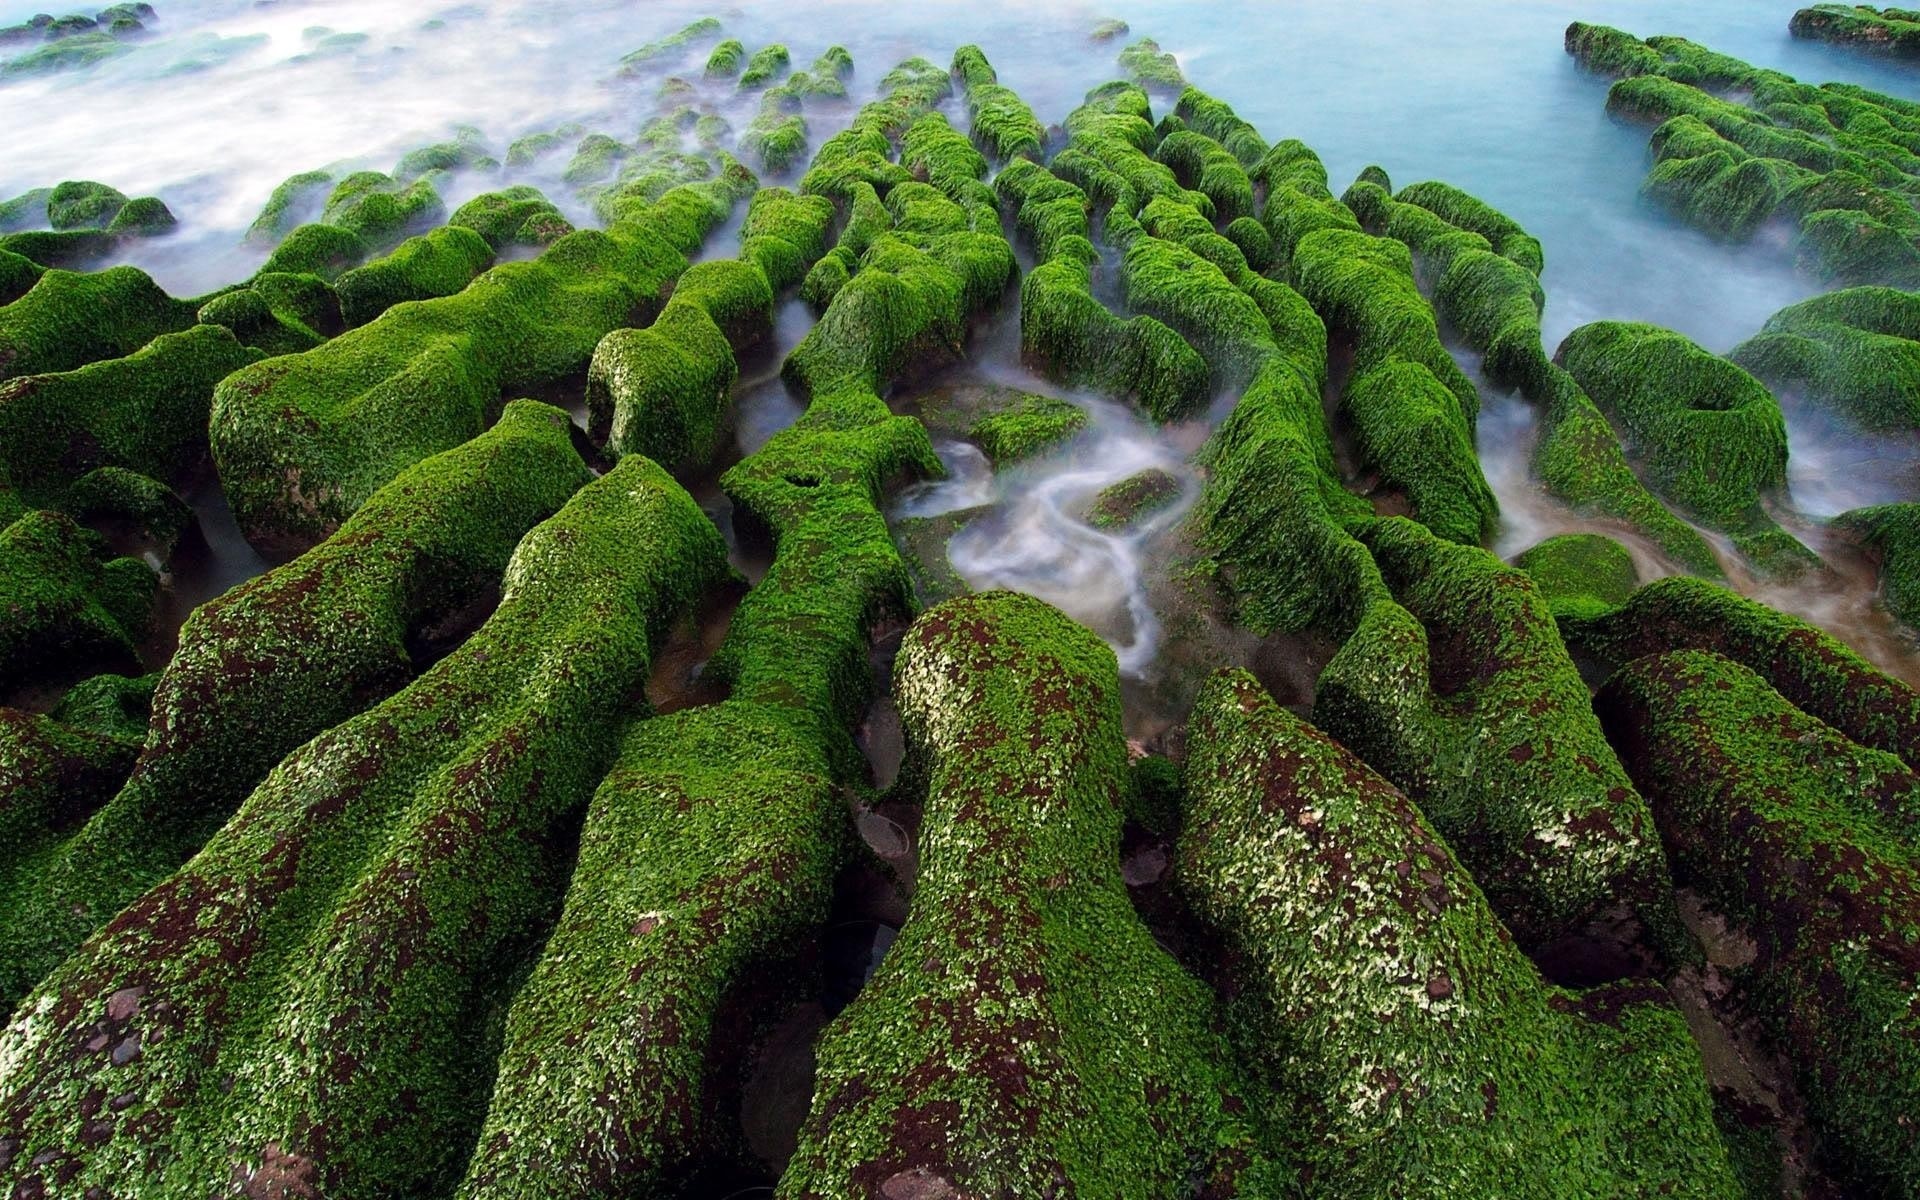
(1892, 533)
(1206, 166)
(1031, 425)
(118, 498)
(317, 249)
(66, 602)
(1855, 352)
(514, 216)
(1405, 1045)
(18, 274)
(83, 204)
(338, 943)
(56, 769)
(1003, 126)
(297, 198)
(1463, 695)
(302, 440)
(69, 319)
(1815, 671)
(278, 312)
(1027, 1060)
(1133, 499)
(1710, 435)
(1149, 66)
(28, 210)
(767, 66)
(284, 656)
(381, 210)
(1581, 574)
(143, 216)
(670, 46)
(146, 412)
(434, 264)
(1805, 840)
(1891, 31)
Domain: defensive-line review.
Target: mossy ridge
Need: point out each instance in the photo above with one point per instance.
(1838, 159)
(283, 657)
(1413, 409)
(18, 274)
(334, 947)
(1032, 424)
(1217, 120)
(1149, 66)
(1405, 1044)
(1133, 499)
(1462, 693)
(145, 413)
(381, 210)
(1002, 125)
(431, 265)
(296, 198)
(520, 215)
(664, 391)
(726, 59)
(302, 440)
(1207, 167)
(1581, 575)
(1009, 1064)
(697, 868)
(57, 769)
(1494, 302)
(672, 45)
(1892, 533)
(767, 66)
(1854, 352)
(68, 319)
(1711, 436)
(67, 602)
(277, 312)
(1815, 671)
(1889, 31)
(466, 151)
(1806, 841)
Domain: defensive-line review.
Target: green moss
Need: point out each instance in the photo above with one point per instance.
(1405, 1045)
(1413, 409)
(466, 152)
(1206, 115)
(393, 868)
(286, 655)
(1031, 425)
(1147, 65)
(1463, 695)
(594, 160)
(1205, 165)
(74, 53)
(138, 502)
(439, 263)
(527, 150)
(1029, 1060)
(1107, 29)
(1892, 532)
(317, 249)
(379, 209)
(67, 320)
(143, 216)
(1581, 574)
(767, 66)
(146, 412)
(1890, 31)
(1804, 840)
(514, 216)
(775, 140)
(53, 774)
(1854, 352)
(698, 869)
(1609, 51)
(1816, 672)
(1464, 211)
(28, 210)
(726, 60)
(1850, 247)
(670, 46)
(67, 603)
(923, 542)
(18, 274)
(1003, 126)
(1133, 499)
(1710, 435)
(278, 313)
(303, 439)
(83, 204)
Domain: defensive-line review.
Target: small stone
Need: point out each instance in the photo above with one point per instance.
(1439, 987)
(1144, 866)
(917, 1184)
(127, 1050)
(124, 1003)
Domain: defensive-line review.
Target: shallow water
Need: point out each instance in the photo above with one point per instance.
(229, 97)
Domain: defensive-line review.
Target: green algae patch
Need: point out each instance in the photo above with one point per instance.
(1805, 840)
(1149, 66)
(671, 46)
(1066, 1049)
(67, 603)
(1462, 693)
(1711, 436)
(69, 319)
(1028, 426)
(1581, 574)
(516, 216)
(767, 66)
(1814, 670)
(1404, 1044)
(1854, 352)
(302, 440)
(379, 209)
(1892, 533)
(1003, 127)
(278, 312)
(334, 940)
(1890, 31)
(284, 656)
(434, 264)
(1134, 499)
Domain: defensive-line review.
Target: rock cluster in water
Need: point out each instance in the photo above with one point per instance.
(394, 877)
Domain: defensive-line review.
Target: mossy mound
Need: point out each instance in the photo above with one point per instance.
(68, 319)
(1854, 352)
(283, 657)
(434, 264)
(514, 216)
(67, 602)
(278, 312)
(1805, 840)
(1461, 692)
(1028, 426)
(1134, 499)
(1405, 1046)
(1892, 532)
(302, 440)
(1890, 31)
(1025, 1061)
(388, 869)
(1581, 574)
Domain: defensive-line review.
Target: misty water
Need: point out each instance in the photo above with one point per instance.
(226, 99)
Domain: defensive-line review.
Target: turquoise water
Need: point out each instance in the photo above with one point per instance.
(228, 98)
